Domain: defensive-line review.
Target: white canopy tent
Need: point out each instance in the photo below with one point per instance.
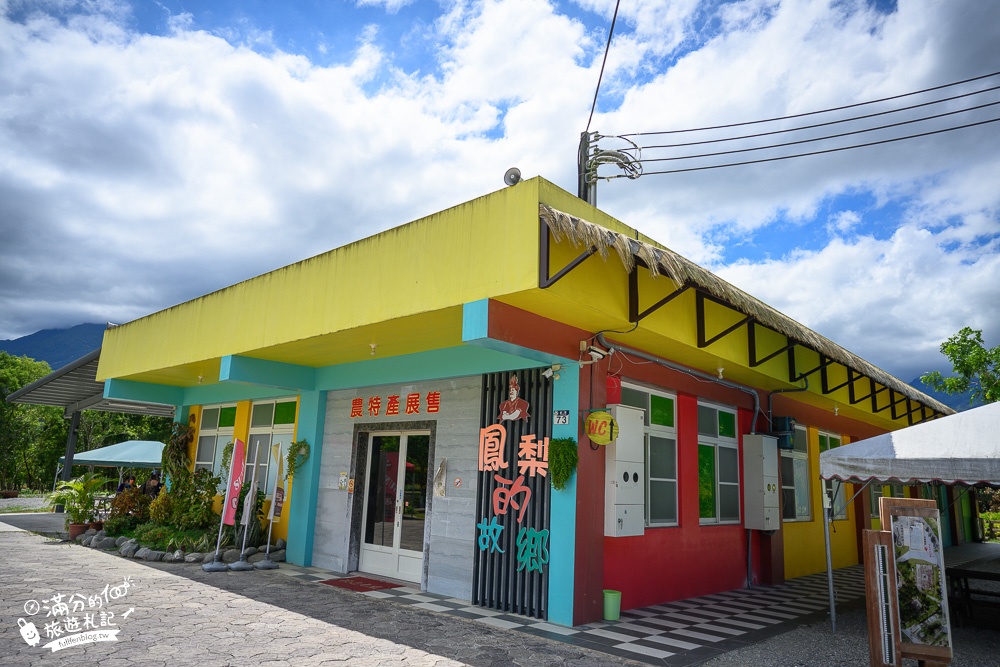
(963, 448)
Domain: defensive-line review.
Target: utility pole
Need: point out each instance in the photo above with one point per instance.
(586, 190)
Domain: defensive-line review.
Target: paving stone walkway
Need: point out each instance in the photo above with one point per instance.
(172, 614)
(676, 634)
(160, 619)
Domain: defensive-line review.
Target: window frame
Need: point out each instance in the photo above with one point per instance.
(651, 430)
(873, 496)
(717, 443)
(287, 433)
(833, 487)
(215, 463)
(796, 455)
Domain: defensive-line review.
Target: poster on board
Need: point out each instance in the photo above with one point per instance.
(921, 589)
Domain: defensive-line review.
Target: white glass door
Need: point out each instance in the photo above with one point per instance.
(395, 505)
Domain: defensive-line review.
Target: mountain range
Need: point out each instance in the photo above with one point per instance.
(58, 347)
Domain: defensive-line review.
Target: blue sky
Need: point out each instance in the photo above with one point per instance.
(139, 139)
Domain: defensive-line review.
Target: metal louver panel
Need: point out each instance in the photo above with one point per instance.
(505, 577)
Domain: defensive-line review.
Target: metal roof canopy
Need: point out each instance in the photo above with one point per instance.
(74, 387)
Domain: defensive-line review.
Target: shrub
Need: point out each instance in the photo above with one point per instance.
(120, 525)
(168, 538)
(162, 507)
(132, 503)
(152, 534)
(193, 496)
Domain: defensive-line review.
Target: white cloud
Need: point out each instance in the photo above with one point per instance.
(891, 301)
(843, 222)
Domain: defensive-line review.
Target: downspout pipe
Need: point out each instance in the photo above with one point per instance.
(770, 399)
(690, 371)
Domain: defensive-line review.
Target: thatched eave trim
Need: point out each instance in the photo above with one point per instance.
(683, 271)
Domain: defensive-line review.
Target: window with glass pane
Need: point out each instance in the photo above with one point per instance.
(213, 435)
(284, 413)
(281, 442)
(833, 487)
(659, 417)
(800, 440)
(718, 466)
(227, 417)
(662, 475)
(727, 424)
(835, 490)
(661, 411)
(708, 421)
(875, 489)
(205, 455)
(263, 415)
(272, 424)
(729, 484)
(636, 398)
(209, 419)
(795, 503)
(220, 447)
(706, 481)
(258, 453)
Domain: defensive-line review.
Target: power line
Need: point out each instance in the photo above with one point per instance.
(815, 125)
(607, 47)
(829, 150)
(814, 139)
(809, 113)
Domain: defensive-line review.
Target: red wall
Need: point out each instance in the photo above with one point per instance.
(588, 596)
(664, 564)
(685, 561)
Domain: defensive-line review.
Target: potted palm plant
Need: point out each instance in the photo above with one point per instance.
(77, 498)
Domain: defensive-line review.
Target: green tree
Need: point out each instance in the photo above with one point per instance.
(100, 429)
(33, 437)
(976, 367)
(26, 431)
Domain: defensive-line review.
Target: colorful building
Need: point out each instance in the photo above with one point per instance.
(430, 367)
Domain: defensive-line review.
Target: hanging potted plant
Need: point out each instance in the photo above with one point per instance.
(563, 458)
(297, 454)
(77, 498)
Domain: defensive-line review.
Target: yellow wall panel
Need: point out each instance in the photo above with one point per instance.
(805, 551)
(483, 248)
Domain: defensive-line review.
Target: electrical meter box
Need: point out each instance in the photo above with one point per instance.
(625, 475)
(760, 483)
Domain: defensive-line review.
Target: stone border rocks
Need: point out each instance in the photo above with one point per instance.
(130, 548)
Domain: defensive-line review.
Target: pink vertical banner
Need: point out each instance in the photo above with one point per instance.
(236, 464)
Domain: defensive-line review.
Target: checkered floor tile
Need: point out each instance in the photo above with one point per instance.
(685, 632)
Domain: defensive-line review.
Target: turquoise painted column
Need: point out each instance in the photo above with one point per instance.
(302, 508)
(562, 540)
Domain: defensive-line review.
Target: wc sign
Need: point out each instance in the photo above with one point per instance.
(601, 427)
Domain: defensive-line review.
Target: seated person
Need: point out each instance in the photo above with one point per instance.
(128, 483)
(152, 486)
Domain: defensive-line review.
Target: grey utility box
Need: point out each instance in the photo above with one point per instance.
(625, 475)
(760, 483)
